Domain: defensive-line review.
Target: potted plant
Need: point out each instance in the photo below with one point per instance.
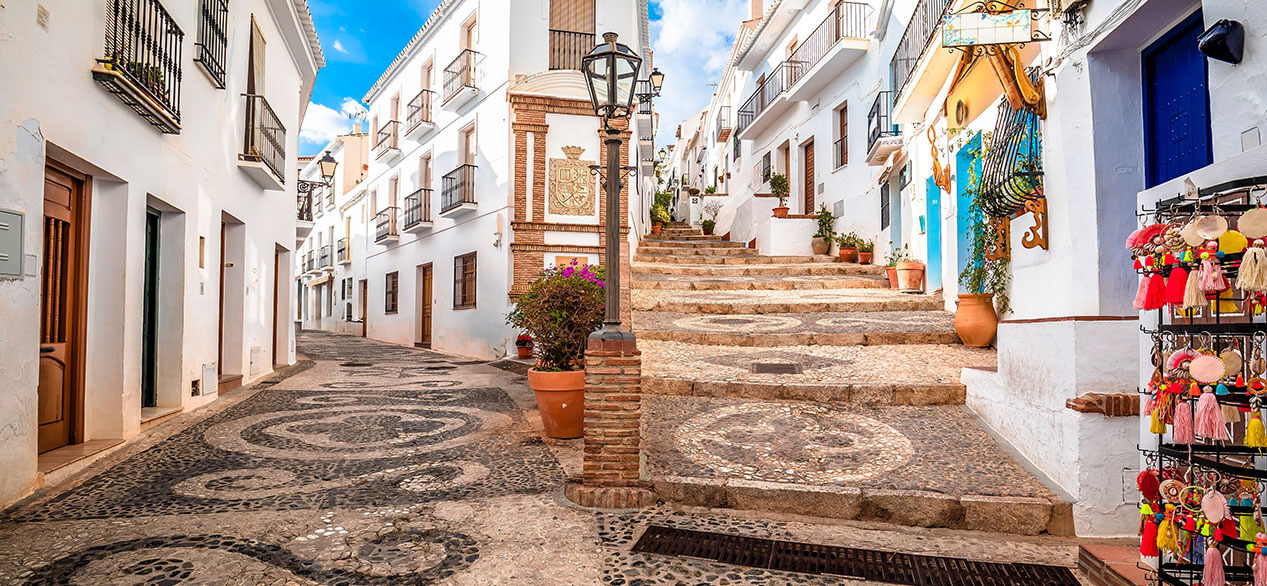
(711, 189)
(865, 249)
(711, 209)
(778, 186)
(983, 281)
(847, 247)
(890, 265)
(821, 242)
(560, 310)
(694, 191)
(659, 217)
(523, 345)
(910, 276)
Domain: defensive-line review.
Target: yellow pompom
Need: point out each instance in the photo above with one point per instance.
(1232, 242)
(1168, 537)
(1255, 434)
(1156, 425)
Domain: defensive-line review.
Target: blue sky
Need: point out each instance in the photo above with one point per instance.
(691, 39)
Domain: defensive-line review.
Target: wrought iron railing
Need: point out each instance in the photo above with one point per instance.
(323, 256)
(212, 48)
(723, 123)
(143, 44)
(385, 224)
(303, 207)
(457, 187)
(642, 90)
(847, 20)
(388, 136)
(879, 119)
(1012, 168)
(419, 109)
(567, 48)
(310, 261)
(460, 73)
(775, 84)
(265, 136)
(417, 208)
(840, 152)
(919, 33)
(342, 249)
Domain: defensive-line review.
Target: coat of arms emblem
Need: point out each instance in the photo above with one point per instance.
(571, 184)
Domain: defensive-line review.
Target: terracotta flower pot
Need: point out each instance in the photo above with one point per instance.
(892, 273)
(864, 257)
(910, 276)
(975, 320)
(561, 400)
(848, 253)
(780, 212)
(524, 351)
(820, 245)
(655, 227)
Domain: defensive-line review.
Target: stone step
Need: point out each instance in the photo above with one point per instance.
(915, 466)
(868, 394)
(766, 283)
(766, 302)
(698, 243)
(802, 269)
(714, 251)
(798, 329)
(665, 258)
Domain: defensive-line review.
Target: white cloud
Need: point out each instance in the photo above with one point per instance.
(338, 46)
(692, 43)
(323, 123)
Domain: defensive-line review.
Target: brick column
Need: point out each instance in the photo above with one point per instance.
(611, 476)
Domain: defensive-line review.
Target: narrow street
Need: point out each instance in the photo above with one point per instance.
(375, 464)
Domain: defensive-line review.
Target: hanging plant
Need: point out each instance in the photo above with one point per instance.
(983, 275)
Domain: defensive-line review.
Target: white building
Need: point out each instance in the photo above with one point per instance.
(147, 214)
(482, 133)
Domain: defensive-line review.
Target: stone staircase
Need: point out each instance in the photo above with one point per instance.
(806, 385)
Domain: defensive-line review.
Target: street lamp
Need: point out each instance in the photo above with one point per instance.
(327, 165)
(611, 70)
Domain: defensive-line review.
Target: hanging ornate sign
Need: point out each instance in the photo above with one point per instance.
(974, 29)
(571, 186)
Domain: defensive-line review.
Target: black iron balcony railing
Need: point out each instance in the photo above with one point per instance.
(385, 225)
(310, 261)
(840, 152)
(723, 123)
(847, 20)
(879, 119)
(417, 208)
(460, 74)
(388, 136)
(419, 110)
(567, 48)
(265, 136)
(642, 91)
(775, 84)
(303, 207)
(323, 256)
(919, 33)
(212, 48)
(143, 44)
(342, 248)
(457, 188)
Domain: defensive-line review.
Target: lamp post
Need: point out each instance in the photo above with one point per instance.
(611, 71)
(327, 164)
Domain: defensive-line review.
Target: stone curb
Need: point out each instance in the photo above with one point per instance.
(874, 394)
(696, 307)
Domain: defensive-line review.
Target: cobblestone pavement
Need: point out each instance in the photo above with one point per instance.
(376, 464)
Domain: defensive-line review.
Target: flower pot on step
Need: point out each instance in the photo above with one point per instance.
(910, 276)
(848, 253)
(561, 400)
(975, 319)
(820, 245)
(655, 227)
(524, 351)
(891, 271)
(780, 212)
(864, 257)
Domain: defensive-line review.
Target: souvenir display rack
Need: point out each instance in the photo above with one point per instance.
(1226, 327)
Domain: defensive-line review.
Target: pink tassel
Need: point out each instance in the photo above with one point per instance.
(1155, 292)
(1149, 402)
(1175, 285)
(1209, 419)
(1183, 423)
(1213, 574)
(1212, 279)
(1141, 296)
(1260, 566)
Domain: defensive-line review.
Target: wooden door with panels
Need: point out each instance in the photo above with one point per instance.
(426, 302)
(62, 308)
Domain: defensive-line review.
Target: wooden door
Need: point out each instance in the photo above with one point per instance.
(277, 294)
(809, 177)
(61, 309)
(425, 293)
(365, 317)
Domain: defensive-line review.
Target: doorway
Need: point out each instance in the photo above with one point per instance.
(967, 166)
(425, 302)
(365, 317)
(1176, 104)
(149, 318)
(229, 352)
(932, 227)
(807, 152)
(63, 311)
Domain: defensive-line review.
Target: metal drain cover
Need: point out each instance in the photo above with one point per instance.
(776, 368)
(858, 564)
(355, 364)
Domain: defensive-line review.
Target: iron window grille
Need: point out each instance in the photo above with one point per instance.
(879, 119)
(567, 48)
(265, 136)
(884, 206)
(212, 48)
(723, 124)
(303, 207)
(143, 46)
(391, 292)
(464, 281)
(841, 150)
(457, 187)
(1012, 168)
(460, 74)
(323, 256)
(385, 224)
(343, 250)
(417, 208)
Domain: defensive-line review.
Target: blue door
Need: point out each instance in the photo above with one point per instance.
(1176, 104)
(967, 171)
(932, 223)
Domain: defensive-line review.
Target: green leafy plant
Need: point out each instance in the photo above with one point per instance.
(708, 226)
(899, 255)
(559, 311)
(693, 191)
(710, 189)
(866, 246)
(660, 214)
(825, 220)
(983, 275)
(663, 199)
(778, 186)
(848, 240)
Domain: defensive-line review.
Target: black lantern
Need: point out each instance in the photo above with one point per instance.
(610, 71)
(657, 81)
(328, 165)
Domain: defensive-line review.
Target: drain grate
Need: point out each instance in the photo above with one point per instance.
(355, 364)
(776, 368)
(469, 362)
(858, 564)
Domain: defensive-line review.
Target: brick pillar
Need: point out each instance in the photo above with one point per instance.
(611, 476)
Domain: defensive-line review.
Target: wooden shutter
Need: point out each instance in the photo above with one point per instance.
(464, 281)
(255, 77)
(572, 15)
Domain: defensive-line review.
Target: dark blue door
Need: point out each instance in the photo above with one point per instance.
(1176, 104)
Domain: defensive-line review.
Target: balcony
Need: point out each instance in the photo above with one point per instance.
(309, 263)
(264, 149)
(767, 102)
(324, 259)
(385, 227)
(567, 48)
(919, 34)
(418, 119)
(460, 79)
(883, 136)
(457, 193)
(211, 52)
(723, 124)
(142, 63)
(387, 143)
(303, 214)
(418, 211)
(838, 42)
(345, 254)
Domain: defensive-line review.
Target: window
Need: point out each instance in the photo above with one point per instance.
(842, 136)
(392, 291)
(213, 40)
(464, 281)
(468, 33)
(884, 206)
(329, 299)
(765, 167)
(468, 145)
(571, 32)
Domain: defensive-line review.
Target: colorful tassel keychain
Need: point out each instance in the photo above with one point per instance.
(1183, 428)
(1175, 286)
(1148, 532)
(1260, 559)
(1252, 275)
(1255, 433)
(1208, 422)
(1212, 279)
(1168, 532)
(1212, 574)
(1193, 297)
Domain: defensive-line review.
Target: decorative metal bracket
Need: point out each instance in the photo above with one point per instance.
(1001, 247)
(597, 171)
(1036, 236)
